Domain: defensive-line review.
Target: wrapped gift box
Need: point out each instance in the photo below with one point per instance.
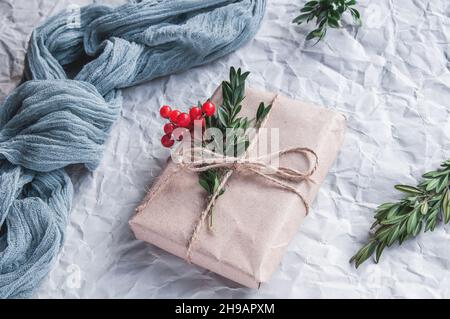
(254, 220)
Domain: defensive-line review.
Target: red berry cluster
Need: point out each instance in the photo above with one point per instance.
(184, 120)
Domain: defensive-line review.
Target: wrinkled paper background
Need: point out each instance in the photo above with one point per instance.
(391, 79)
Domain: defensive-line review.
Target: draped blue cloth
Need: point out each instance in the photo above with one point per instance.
(52, 120)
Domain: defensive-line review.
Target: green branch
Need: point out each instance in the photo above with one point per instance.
(423, 207)
(328, 13)
(231, 125)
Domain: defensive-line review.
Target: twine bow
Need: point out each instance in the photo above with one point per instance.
(201, 159)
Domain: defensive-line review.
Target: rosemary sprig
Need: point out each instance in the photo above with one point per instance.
(328, 13)
(231, 125)
(423, 207)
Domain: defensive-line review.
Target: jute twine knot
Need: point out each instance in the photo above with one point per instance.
(201, 160)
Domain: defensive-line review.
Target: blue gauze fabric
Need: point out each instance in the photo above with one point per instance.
(51, 121)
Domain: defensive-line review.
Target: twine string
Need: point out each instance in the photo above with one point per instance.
(276, 175)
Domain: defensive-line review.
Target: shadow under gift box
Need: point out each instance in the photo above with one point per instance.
(254, 220)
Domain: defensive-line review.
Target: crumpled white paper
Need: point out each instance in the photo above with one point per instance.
(391, 79)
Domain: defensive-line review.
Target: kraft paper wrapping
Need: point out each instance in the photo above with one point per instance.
(254, 220)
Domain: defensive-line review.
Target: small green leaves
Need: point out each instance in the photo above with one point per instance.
(364, 253)
(355, 14)
(223, 117)
(379, 251)
(412, 221)
(204, 183)
(443, 183)
(446, 206)
(210, 181)
(232, 126)
(301, 18)
(328, 13)
(233, 92)
(408, 189)
(262, 112)
(423, 207)
(393, 220)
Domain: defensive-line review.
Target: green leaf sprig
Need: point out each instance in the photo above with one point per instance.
(328, 13)
(228, 121)
(422, 208)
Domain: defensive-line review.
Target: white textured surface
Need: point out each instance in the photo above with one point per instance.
(391, 80)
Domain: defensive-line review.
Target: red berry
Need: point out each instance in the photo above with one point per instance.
(165, 111)
(167, 140)
(184, 120)
(209, 108)
(195, 113)
(174, 116)
(168, 128)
